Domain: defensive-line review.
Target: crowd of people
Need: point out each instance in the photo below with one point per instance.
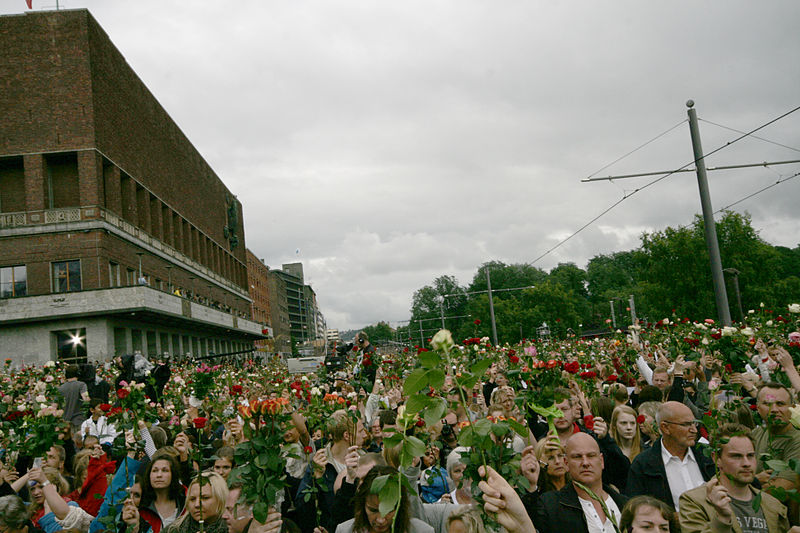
(654, 429)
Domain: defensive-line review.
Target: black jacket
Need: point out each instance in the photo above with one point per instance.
(561, 511)
(648, 475)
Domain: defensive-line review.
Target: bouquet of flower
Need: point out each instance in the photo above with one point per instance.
(261, 460)
(204, 381)
(42, 430)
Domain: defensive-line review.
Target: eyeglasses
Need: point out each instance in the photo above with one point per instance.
(691, 423)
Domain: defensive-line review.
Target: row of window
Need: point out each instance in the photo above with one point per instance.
(66, 276)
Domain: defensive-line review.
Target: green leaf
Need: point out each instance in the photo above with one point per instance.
(389, 495)
(466, 437)
(757, 502)
(500, 429)
(430, 360)
(434, 411)
(482, 427)
(260, 511)
(777, 465)
(417, 403)
(415, 381)
(393, 440)
(480, 367)
(436, 378)
(378, 484)
(520, 429)
(415, 447)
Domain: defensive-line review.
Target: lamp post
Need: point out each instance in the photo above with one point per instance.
(736, 288)
(140, 254)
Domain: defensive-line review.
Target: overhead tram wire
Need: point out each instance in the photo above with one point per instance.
(617, 160)
(668, 174)
(771, 185)
(753, 136)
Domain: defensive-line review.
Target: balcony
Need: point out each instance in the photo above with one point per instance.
(31, 222)
(139, 303)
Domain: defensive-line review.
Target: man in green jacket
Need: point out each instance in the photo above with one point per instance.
(729, 503)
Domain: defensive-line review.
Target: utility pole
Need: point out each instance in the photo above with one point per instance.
(613, 316)
(721, 297)
(491, 306)
(633, 309)
(736, 287)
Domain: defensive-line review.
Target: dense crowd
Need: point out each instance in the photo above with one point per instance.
(673, 426)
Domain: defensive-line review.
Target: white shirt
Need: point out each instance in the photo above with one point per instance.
(593, 522)
(681, 475)
(101, 429)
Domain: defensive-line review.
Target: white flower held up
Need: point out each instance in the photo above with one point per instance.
(443, 340)
(794, 308)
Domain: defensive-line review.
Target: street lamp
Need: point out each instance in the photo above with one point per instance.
(543, 330)
(736, 287)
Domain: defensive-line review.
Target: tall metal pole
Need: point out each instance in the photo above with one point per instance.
(633, 309)
(736, 287)
(721, 297)
(421, 338)
(491, 306)
(613, 316)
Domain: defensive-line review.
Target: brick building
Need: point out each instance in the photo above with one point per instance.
(115, 234)
(258, 281)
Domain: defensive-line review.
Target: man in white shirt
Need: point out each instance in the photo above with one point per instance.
(672, 465)
(97, 425)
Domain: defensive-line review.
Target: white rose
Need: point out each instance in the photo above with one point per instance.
(705, 341)
(751, 311)
(315, 391)
(41, 399)
(443, 340)
(665, 321)
(748, 332)
(769, 322)
(303, 378)
(700, 326)
(762, 305)
(484, 340)
(794, 308)
(49, 364)
(727, 331)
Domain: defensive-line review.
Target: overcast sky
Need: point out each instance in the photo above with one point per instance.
(384, 144)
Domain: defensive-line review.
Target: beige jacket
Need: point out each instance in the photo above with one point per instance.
(699, 516)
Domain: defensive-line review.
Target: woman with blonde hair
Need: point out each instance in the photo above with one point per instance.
(50, 510)
(205, 503)
(625, 431)
(553, 459)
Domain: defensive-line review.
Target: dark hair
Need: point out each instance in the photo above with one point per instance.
(633, 505)
(72, 371)
(650, 393)
(176, 491)
(387, 418)
(402, 517)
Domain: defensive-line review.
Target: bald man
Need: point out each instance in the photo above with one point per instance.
(573, 508)
(674, 464)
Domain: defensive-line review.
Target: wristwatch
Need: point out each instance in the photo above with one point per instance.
(46, 482)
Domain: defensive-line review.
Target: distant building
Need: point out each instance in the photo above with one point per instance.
(332, 335)
(306, 322)
(115, 234)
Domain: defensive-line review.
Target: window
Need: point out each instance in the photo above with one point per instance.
(71, 345)
(113, 275)
(131, 277)
(13, 281)
(67, 276)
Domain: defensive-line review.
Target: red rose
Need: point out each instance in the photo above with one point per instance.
(728, 368)
(572, 367)
(105, 407)
(477, 322)
(591, 374)
(236, 389)
(200, 422)
(308, 450)
(612, 378)
(552, 363)
(420, 423)
(123, 393)
(640, 419)
(588, 422)
(513, 359)
(114, 411)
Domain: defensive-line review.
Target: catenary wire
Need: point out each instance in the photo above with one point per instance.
(753, 136)
(653, 182)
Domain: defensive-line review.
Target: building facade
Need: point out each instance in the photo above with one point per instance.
(115, 234)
